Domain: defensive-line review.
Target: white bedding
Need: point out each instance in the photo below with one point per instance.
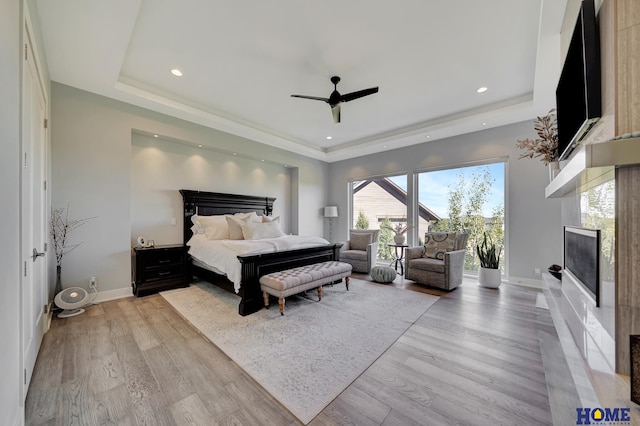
(223, 254)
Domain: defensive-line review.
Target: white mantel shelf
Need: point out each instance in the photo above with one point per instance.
(593, 164)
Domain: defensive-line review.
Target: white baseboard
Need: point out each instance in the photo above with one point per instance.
(19, 420)
(119, 293)
(525, 282)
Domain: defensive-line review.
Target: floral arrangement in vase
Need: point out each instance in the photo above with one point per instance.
(545, 147)
(399, 229)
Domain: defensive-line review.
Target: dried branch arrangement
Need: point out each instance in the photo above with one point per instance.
(61, 226)
(546, 146)
(400, 228)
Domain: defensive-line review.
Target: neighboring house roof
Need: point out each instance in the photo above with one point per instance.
(399, 194)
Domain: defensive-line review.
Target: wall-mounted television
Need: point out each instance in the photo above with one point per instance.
(578, 95)
(582, 259)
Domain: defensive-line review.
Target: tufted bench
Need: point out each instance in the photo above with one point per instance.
(292, 281)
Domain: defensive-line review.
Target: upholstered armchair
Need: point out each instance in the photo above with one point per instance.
(444, 273)
(361, 250)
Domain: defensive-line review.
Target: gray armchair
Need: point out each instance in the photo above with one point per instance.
(445, 274)
(361, 250)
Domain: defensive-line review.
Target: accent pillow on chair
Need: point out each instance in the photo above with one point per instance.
(359, 241)
(436, 244)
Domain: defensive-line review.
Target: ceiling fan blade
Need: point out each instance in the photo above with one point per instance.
(315, 98)
(335, 110)
(355, 95)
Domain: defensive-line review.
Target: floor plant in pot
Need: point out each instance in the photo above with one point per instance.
(489, 274)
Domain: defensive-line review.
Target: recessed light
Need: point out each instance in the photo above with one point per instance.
(385, 147)
(199, 146)
(286, 165)
(155, 136)
(428, 136)
(262, 161)
(235, 153)
(176, 72)
(481, 89)
(484, 123)
(329, 137)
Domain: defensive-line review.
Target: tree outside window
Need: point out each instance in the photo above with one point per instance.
(474, 204)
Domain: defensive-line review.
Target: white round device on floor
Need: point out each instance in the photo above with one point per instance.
(71, 300)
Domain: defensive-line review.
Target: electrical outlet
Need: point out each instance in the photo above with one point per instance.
(536, 271)
(93, 282)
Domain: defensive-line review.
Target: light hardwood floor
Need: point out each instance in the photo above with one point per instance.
(473, 358)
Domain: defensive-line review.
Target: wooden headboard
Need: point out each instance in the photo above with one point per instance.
(216, 203)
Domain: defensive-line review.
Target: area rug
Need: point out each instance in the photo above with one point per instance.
(307, 357)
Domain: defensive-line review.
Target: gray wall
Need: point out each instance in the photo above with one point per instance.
(534, 238)
(159, 168)
(10, 36)
(91, 169)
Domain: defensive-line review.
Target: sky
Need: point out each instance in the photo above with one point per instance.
(434, 187)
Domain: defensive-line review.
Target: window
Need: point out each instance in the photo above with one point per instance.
(465, 199)
(380, 203)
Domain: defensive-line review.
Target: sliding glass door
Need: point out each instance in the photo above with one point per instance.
(467, 199)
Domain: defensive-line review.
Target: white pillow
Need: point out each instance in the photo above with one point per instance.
(195, 219)
(249, 217)
(214, 227)
(258, 231)
(235, 222)
(266, 219)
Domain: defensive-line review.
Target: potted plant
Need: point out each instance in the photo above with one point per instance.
(545, 147)
(489, 273)
(399, 229)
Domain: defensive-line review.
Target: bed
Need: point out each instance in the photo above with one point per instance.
(251, 266)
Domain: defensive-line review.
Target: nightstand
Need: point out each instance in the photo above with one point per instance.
(159, 268)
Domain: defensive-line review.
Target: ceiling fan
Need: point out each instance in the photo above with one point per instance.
(336, 99)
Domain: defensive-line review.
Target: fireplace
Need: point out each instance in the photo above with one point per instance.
(582, 259)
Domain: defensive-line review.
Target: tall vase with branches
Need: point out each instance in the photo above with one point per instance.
(61, 225)
(545, 147)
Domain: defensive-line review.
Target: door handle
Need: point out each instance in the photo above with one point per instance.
(36, 255)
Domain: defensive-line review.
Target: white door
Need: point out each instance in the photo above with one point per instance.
(33, 294)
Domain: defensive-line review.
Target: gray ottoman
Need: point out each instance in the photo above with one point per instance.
(382, 274)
